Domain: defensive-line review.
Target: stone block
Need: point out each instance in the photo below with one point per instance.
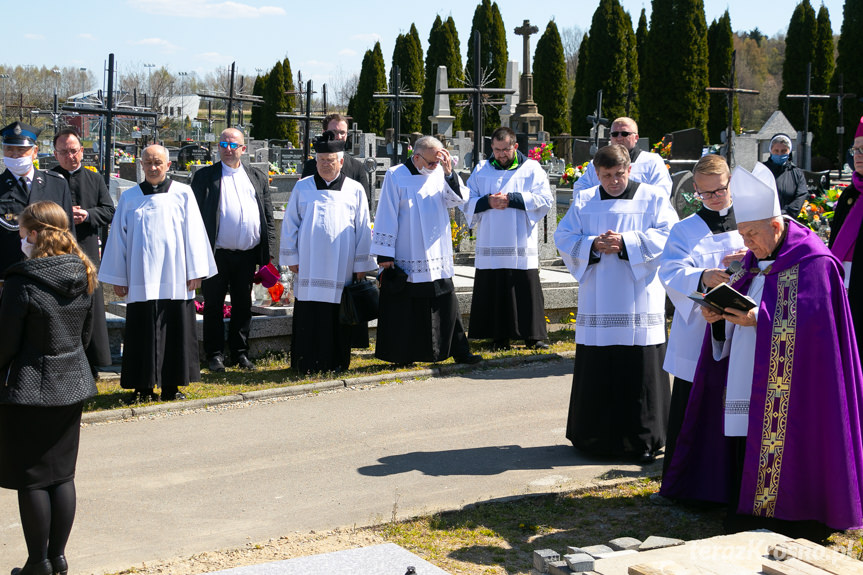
(541, 558)
(597, 551)
(579, 561)
(558, 568)
(656, 542)
(622, 543)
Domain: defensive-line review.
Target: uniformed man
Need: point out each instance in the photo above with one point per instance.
(21, 185)
(92, 210)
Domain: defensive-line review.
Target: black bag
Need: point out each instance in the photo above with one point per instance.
(359, 302)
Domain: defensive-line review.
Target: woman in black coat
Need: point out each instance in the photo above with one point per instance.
(46, 310)
(790, 180)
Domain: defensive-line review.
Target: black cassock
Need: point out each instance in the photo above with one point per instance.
(89, 191)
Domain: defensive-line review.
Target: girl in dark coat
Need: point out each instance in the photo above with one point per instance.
(46, 310)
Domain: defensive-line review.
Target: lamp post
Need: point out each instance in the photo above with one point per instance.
(184, 76)
(5, 78)
(82, 75)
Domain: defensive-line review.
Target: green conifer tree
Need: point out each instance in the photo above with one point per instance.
(443, 50)
(579, 108)
(369, 112)
(408, 56)
(493, 56)
(822, 73)
(673, 89)
(290, 102)
(277, 102)
(549, 80)
(849, 68)
(799, 51)
(259, 124)
(641, 42)
(720, 46)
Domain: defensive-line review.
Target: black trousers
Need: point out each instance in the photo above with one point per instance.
(236, 272)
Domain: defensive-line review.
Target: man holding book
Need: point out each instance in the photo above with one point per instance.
(786, 452)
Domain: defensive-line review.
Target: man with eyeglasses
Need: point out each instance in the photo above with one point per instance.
(509, 196)
(647, 167)
(352, 168)
(696, 258)
(326, 237)
(773, 423)
(21, 185)
(610, 240)
(419, 317)
(92, 210)
(238, 214)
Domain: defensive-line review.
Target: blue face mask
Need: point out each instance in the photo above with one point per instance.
(779, 160)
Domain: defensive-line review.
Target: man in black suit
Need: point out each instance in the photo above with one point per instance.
(353, 168)
(238, 215)
(92, 210)
(21, 185)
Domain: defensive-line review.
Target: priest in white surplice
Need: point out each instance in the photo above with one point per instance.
(419, 314)
(697, 254)
(509, 196)
(156, 257)
(610, 240)
(326, 236)
(647, 167)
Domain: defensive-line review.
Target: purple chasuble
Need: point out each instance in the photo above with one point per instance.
(804, 451)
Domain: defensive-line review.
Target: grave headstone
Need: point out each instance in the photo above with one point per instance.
(290, 160)
(687, 144)
(262, 155)
(192, 153)
(367, 145)
(510, 100)
(252, 147)
(441, 118)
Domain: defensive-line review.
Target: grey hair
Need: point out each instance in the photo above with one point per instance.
(427, 143)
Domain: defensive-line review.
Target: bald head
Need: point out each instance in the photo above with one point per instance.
(155, 161)
(624, 131)
(232, 135)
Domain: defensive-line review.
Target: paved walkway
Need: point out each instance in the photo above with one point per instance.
(175, 484)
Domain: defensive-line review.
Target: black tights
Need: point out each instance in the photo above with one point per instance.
(47, 515)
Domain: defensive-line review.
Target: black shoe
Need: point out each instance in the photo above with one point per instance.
(41, 568)
(500, 345)
(243, 362)
(535, 344)
(173, 396)
(216, 364)
(469, 359)
(649, 456)
(59, 564)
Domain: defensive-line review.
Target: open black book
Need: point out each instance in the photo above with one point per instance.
(721, 297)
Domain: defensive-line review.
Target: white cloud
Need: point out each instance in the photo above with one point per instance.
(347, 52)
(165, 45)
(369, 38)
(34, 36)
(225, 10)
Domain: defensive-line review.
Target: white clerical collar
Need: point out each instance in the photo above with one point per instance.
(722, 212)
(76, 169)
(228, 170)
(328, 182)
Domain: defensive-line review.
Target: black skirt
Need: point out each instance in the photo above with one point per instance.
(319, 341)
(38, 445)
(507, 304)
(420, 322)
(619, 401)
(160, 347)
(676, 413)
(99, 350)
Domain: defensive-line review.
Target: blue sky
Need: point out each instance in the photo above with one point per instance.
(324, 40)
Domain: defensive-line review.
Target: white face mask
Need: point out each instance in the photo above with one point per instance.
(426, 171)
(19, 166)
(27, 247)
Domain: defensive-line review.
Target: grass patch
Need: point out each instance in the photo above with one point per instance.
(274, 370)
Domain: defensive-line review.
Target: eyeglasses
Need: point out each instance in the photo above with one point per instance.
(232, 145)
(430, 164)
(69, 152)
(621, 134)
(717, 193)
(856, 151)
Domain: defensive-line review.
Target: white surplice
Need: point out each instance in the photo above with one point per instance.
(691, 248)
(157, 243)
(620, 301)
(648, 168)
(507, 239)
(328, 235)
(412, 223)
(739, 346)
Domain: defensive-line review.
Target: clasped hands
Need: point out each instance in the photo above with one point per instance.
(498, 201)
(610, 242)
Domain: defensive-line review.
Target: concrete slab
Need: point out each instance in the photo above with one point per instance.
(386, 559)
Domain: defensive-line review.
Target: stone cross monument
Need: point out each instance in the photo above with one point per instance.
(527, 118)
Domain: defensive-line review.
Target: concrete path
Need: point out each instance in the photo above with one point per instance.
(175, 484)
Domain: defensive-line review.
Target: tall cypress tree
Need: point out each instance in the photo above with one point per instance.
(849, 67)
(720, 46)
(408, 56)
(277, 102)
(822, 74)
(493, 55)
(290, 102)
(673, 95)
(443, 50)
(579, 108)
(614, 68)
(799, 51)
(641, 42)
(549, 80)
(370, 112)
(259, 124)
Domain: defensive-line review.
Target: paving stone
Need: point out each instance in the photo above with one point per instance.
(558, 568)
(622, 543)
(579, 561)
(656, 542)
(542, 556)
(617, 553)
(597, 550)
